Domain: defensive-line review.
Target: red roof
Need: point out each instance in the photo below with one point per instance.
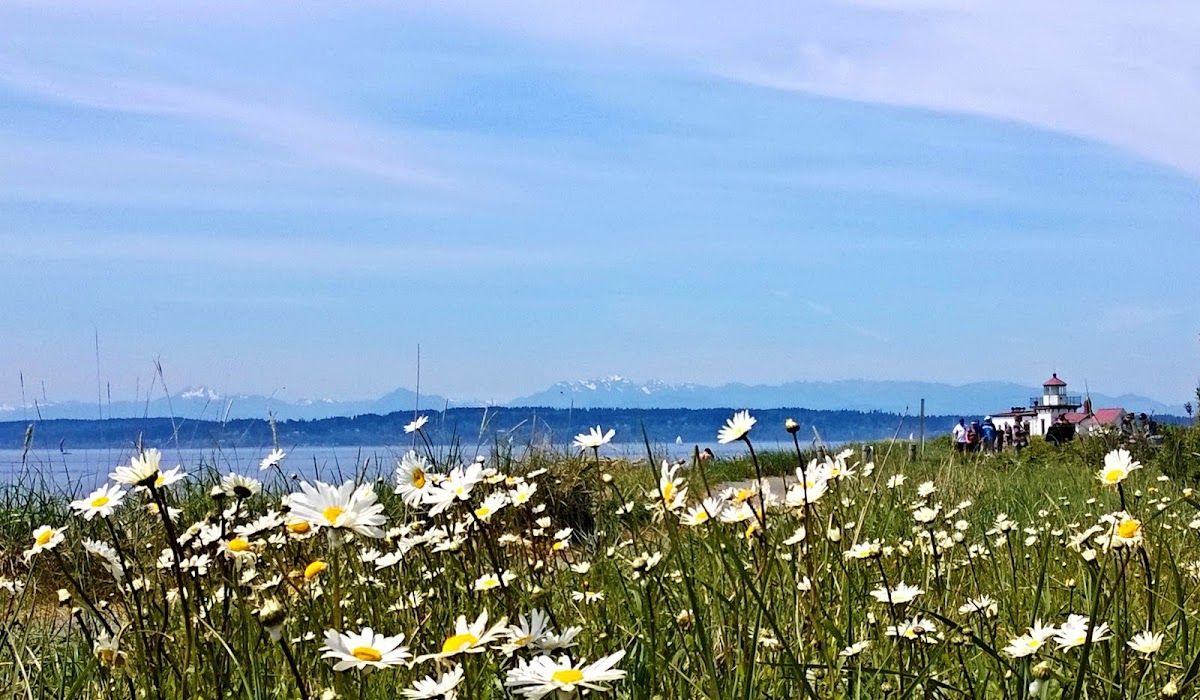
(1054, 381)
(1103, 416)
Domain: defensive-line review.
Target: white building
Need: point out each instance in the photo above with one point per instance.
(1055, 402)
(1042, 411)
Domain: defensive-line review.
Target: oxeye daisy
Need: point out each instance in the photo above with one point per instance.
(543, 675)
(1118, 464)
(107, 554)
(1074, 633)
(1031, 642)
(314, 569)
(491, 505)
(855, 649)
(1147, 643)
(899, 595)
(100, 502)
(164, 479)
(347, 507)
(412, 478)
(736, 428)
(442, 687)
(364, 650)
(915, 630)
(527, 632)
(108, 652)
(142, 470)
(240, 487)
(45, 538)
(272, 460)
(522, 493)
(707, 510)
(489, 581)
(470, 638)
(416, 424)
(593, 439)
(809, 489)
(238, 549)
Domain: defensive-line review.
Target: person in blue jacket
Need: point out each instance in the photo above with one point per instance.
(989, 434)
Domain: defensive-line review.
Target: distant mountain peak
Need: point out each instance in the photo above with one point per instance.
(200, 392)
(617, 391)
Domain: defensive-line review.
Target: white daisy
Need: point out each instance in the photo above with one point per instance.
(736, 428)
(429, 688)
(416, 424)
(142, 470)
(106, 554)
(45, 538)
(594, 438)
(470, 638)
(1146, 642)
(412, 478)
(272, 460)
(543, 675)
(364, 650)
(240, 487)
(100, 502)
(347, 507)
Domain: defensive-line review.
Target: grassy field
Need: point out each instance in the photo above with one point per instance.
(1062, 573)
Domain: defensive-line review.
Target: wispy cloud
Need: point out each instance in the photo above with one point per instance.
(837, 319)
(321, 139)
(220, 251)
(1114, 72)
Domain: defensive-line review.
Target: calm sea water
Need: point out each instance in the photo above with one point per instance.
(82, 469)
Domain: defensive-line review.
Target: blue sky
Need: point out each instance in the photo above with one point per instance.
(291, 196)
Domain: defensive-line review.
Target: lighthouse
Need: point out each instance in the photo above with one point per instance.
(1053, 403)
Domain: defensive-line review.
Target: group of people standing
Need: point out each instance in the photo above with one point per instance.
(986, 437)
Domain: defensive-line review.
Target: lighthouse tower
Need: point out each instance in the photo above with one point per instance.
(1054, 402)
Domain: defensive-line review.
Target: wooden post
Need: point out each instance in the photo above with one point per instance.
(922, 427)
(912, 452)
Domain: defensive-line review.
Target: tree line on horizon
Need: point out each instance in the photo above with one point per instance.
(466, 425)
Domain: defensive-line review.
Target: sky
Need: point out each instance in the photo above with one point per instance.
(292, 197)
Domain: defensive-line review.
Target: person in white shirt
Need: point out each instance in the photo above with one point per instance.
(960, 435)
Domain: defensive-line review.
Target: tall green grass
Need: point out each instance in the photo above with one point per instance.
(746, 609)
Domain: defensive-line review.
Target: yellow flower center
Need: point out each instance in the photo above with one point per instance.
(1129, 528)
(45, 537)
(332, 513)
(567, 676)
(702, 516)
(483, 511)
(298, 528)
(743, 494)
(1114, 475)
(418, 478)
(100, 501)
(312, 570)
(459, 642)
(239, 544)
(668, 490)
(366, 654)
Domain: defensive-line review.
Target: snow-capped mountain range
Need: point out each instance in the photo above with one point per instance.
(609, 392)
(851, 394)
